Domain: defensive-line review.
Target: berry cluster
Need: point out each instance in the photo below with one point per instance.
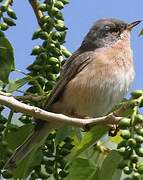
(130, 147)
(7, 17)
(53, 163)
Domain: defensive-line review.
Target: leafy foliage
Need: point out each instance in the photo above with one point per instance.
(6, 59)
(68, 153)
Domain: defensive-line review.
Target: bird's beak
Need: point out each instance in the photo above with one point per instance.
(133, 24)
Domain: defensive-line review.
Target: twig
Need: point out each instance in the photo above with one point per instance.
(30, 98)
(38, 13)
(38, 113)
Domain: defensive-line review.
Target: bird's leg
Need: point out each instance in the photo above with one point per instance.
(114, 129)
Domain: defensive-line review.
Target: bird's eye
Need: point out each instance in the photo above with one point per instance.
(122, 26)
(107, 28)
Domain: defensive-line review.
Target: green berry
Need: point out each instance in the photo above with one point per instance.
(65, 52)
(60, 26)
(124, 123)
(49, 169)
(42, 7)
(3, 8)
(47, 27)
(54, 50)
(140, 131)
(43, 35)
(54, 11)
(125, 134)
(50, 162)
(43, 56)
(59, 15)
(139, 139)
(46, 19)
(63, 174)
(132, 142)
(7, 174)
(56, 69)
(59, 5)
(140, 168)
(3, 26)
(64, 151)
(34, 176)
(65, 1)
(122, 150)
(36, 50)
(50, 2)
(137, 93)
(49, 85)
(51, 77)
(43, 175)
(36, 34)
(62, 37)
(55, 35)
(136, 176)
(25, 119)
(134, 158)
(138, 118)
(139, 152)
(127, 170)
(11, 13)
(53, 60)
(122, 144)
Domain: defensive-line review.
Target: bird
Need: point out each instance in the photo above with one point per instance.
(93, 80)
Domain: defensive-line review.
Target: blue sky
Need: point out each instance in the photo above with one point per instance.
(79, 16)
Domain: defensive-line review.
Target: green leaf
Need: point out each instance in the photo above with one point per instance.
(82, 168)
(16, 84)
(24, 167)
(1, 34)
(15, 138)
(109, 167)
(64, 132)
(6, 59)
(89, 138)
(116, 139)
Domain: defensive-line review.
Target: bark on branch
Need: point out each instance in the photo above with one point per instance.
(38, 13)
(38, 113)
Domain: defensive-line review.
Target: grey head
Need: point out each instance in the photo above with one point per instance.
(105, 32)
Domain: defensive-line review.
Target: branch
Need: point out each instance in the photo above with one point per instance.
(38, 13)
(30, 98)
(38, 113)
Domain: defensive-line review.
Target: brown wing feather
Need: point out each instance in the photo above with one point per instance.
(73, 66)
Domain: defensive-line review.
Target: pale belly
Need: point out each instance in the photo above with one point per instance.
(98, 95)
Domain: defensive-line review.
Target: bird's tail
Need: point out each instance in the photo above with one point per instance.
(33, 141)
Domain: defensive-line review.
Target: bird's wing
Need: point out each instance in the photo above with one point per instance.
(72, 67)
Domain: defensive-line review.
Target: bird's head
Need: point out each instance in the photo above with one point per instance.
(105, 32)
